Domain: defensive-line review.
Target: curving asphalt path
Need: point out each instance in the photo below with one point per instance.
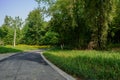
(27, 66)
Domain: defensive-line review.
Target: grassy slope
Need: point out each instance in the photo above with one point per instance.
(94, 65)
(19, 48)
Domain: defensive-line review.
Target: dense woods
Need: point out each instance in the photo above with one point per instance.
(77, 24)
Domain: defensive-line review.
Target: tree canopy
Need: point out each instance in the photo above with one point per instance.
(78, 24)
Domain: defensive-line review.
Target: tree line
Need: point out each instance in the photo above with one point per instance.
(78, 24)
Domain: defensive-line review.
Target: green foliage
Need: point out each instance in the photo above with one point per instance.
(3, 32)
(7, 30)
(50, 38)
(77, 24)
(114, 29)
(94, 65)
(34, 25)
(68, 22)
(8, 39)
(99, 13)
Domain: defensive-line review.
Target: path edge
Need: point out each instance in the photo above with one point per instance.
(61, 72)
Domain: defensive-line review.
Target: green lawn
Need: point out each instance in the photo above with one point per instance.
(92, 65)
(19, 48)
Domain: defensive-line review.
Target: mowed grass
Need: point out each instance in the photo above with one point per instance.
(20, 48)
(88, 65)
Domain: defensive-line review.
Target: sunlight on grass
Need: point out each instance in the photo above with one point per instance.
(27, 47)
(93, 65)
(20, 48)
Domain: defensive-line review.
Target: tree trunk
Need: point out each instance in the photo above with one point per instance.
(14, 43)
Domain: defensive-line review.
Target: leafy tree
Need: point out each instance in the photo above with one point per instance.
(68, 21)
(50, 38)
(9, 29)
(6, 28)
(8, 21)
(74, 23)
(34, 25)
(3, 33)
(99, 13)
(114, 29)
(60, 22)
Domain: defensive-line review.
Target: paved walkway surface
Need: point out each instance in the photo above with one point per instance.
(26, 66)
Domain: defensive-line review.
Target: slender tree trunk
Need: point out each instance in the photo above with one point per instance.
(14, 43)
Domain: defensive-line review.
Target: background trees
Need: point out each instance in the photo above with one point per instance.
(75, 24)
(10, 30)
(114, 29)
(88, 22)
(68, 15)
(99, 15)
(34, 26)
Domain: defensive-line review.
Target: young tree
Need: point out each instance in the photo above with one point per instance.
(17, 23)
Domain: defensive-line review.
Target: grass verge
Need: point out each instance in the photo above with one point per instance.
(92, 65)
(20, 48)
(24, 47)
